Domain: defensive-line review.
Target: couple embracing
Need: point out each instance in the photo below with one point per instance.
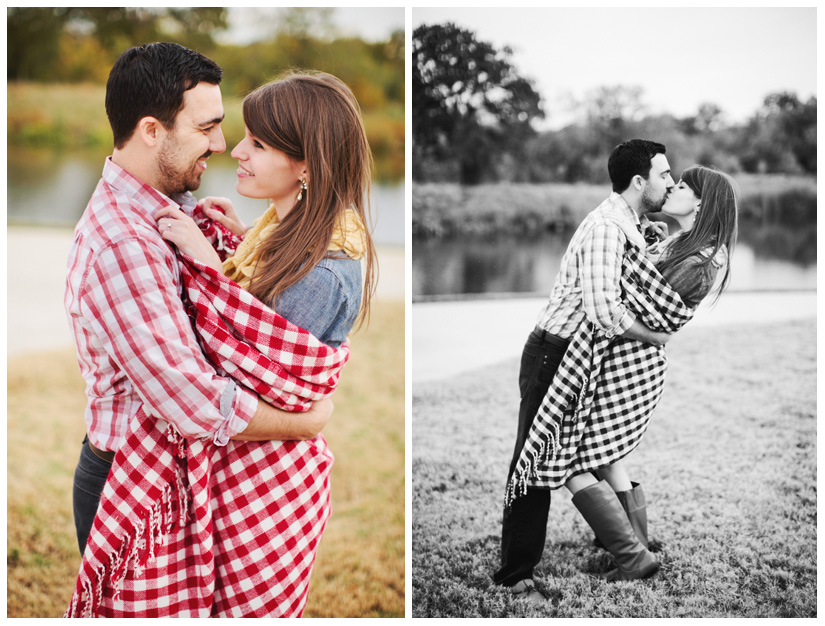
(593, 369)
(210, 350)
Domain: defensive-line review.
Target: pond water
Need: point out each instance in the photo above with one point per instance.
(514, 265)
(46, 187)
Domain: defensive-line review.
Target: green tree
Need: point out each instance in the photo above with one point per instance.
(610, 111)
(781, 136)
(469, 103)
(41, 40)
(33, 35)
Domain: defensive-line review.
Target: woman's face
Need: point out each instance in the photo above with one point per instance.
(681, 202)
(266, 172)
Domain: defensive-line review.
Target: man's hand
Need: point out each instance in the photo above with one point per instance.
(178, 228)
(271, 424)
(642, 333)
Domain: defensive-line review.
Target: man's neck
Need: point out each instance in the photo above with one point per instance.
(138, 166)
(634, 201)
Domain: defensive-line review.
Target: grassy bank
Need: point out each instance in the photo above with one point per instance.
(446, 209)
(360, 567)
(72, 116)
(728, 465)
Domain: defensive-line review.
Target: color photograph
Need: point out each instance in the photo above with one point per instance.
(206, 325)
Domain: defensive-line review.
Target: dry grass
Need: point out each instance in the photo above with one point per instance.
(360, 567)
(728, 465)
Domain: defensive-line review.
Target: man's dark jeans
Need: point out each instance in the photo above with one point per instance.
(89, 478)
(525, 524)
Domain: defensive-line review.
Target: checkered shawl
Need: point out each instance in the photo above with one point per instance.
(601, 398)
(186, 528)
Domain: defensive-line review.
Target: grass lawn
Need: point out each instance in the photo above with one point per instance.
(359, 571)
(728, 465)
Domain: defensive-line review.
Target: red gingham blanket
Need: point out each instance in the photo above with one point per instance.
(186, 528)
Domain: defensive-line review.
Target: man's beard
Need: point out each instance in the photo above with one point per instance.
(177, 179)
(650, 205)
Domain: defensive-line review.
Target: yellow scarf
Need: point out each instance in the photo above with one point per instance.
(348, 236)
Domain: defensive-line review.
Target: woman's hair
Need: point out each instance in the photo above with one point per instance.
(312, 117)
(716, 223)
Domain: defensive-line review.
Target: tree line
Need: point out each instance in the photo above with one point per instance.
(76, 44)
(473, 119)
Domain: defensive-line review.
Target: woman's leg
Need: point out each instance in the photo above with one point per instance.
(602, 510)
(616, 476)
(578, 482)
(632, 498)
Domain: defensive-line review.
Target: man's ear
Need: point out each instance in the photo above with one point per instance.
(638, 182)
(150, 131)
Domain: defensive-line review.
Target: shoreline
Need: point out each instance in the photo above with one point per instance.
(480, 333)
(36, 319)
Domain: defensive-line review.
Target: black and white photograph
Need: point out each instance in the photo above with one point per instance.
(614, 312)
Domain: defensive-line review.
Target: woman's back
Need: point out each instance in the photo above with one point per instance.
(693, 278)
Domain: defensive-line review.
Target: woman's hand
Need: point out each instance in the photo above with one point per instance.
(222, 211)
(659, 229)
(178, 228)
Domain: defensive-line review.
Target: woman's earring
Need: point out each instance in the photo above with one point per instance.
(303, 189)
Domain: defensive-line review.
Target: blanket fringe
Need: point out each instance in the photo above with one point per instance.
(166, 516)
(546, 452)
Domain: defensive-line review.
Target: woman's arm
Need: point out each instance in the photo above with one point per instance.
(222, 211)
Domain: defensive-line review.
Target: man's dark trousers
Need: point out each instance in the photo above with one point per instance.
(525, 524)
(89, 480)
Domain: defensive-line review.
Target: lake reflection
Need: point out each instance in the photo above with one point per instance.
(46, 187)
(518, 265)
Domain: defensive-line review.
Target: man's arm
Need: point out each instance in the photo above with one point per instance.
(602, 254)
(640, 332)
(600, 270)
(271, 424)
(131, 303)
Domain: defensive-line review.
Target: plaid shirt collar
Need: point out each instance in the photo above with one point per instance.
(623, 208)
(150, 199)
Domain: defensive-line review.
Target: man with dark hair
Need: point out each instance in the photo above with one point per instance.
(135, 343)
(587, 288)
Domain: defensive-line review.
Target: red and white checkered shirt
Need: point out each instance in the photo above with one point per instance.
(135, 342)
(588, 282)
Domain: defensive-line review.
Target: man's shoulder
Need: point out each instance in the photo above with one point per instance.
(606, 215)
(113, 218)
(113, 213)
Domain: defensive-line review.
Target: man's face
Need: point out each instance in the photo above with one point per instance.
(195, 136)
(657, 186)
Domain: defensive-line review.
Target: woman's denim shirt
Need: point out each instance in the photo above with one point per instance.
(326, 301)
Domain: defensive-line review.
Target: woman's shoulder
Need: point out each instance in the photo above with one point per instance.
(345, 270)
(721, 256)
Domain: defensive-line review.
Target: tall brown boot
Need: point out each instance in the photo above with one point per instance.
(602, 510)
(634, 504)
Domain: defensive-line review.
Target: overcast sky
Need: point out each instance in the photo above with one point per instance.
(681, 58)
(371, 24)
